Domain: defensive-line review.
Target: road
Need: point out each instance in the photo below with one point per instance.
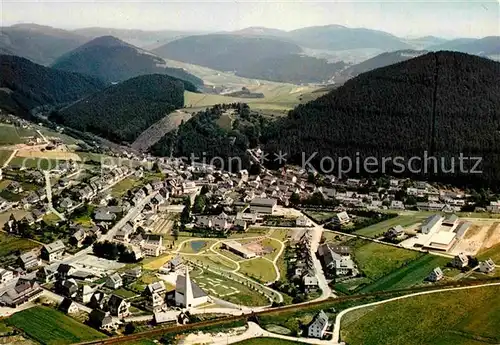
(48, 191)
(12, 155)
(338, 319)
(133, 212)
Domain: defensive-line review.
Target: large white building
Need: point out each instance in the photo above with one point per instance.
(187, 294)
(318, 326)
(263, 205)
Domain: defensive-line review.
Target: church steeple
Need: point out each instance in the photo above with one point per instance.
(188, 296)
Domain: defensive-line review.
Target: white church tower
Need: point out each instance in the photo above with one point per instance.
(188, 296)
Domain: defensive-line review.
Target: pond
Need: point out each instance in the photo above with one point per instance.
(196, 246)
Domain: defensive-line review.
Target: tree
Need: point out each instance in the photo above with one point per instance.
(129, 328)
(199, 204)
(295, 199)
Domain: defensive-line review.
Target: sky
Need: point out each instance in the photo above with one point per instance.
(411, 18)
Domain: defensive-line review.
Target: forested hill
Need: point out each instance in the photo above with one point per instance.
(225, 52)
(382, 60)
(25, 85)
(445, 102)
(113, 60)
(123, 111)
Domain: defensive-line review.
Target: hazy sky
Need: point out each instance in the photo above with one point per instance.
(467, 18)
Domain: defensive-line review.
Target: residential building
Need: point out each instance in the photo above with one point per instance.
(24, 291)
(5, 276)
(395, 233)
(341, 218)
(460, 261)
(310, 282)
(118, 306)
(102, 320)
(67, 306)
(114, 281)
(487, 266)
(53, 251)
(436, 275)
(318, 326)
(303, 221)
(29, 260)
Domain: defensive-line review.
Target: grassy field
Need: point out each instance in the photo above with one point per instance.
(466, 317)
(212, 260)
(228, 289)
(11, 135)
(123, 186)
(10, 244)
(378, 229)
(377, 260)
(52, 327)
(35, 163)
(274, 244)
(258, 268)
(409, 275)
(51, 219)
(320, 216)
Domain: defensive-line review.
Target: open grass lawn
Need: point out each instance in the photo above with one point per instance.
(51, 327)
(409, 275)
(124, 293)
(123, 186)
(378, 229)
(493, 253)
(228, 289)
(267, 341)
(464, 317)
(35, 163)
(274, 244)
(11, 135)
(51, 219)
(4, 155)
(320, 216)
(376, 260)
(10, 244)
(259, 269)
(213, 261)
(251, 232)
(280, 234)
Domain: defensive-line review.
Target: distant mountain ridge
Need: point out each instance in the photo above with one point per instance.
(38, 43)
(32, 85)
(113, 60)
(484, 46)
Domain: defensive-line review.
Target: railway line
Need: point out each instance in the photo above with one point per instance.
(154, 333)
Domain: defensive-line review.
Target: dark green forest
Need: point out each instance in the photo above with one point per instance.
(123, 111)
(113, 60)
(203, 137)
(292, 68)
(33, 85)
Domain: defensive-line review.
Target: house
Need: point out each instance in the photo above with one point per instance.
(114, 281)
(67, 287)
(153, 245)
(5, 276)
(78, 237)
(66, 204)
(309, 282)
(318, 326)
(263, 205)
(24, 291)
(156, 292)
(132, 274)
(397, 205)
(63, 271)
(53, 251)
(67, 306)
(395, 233)
(85, 293)
(102, 320)
(303, 221)
(173, 265)
(460, 261)
(118, 306)
(98, 300)
(337, 260)
(104, 216)
(487, 266)
(436, 275)
(123, 234)
(29, 260)
(341, 218)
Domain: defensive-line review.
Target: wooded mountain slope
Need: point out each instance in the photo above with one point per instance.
(445, 103)
(113, 60)
(27, 85)
(123, 111)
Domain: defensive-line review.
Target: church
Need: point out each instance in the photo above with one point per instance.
(188, 294)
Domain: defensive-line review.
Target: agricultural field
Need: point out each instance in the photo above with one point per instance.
(464, 317)
(35, 163)
(320, 216)
(51, 327)
(414, 273)
(378, 229)
(228, 289)
(12, 135)
(386, 267)
(259, 268)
